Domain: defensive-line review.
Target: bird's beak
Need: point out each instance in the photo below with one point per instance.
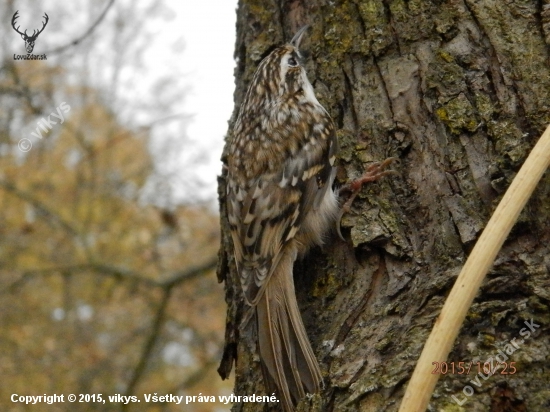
(297, 39)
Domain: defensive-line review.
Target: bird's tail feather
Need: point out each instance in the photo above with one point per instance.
(288, 361)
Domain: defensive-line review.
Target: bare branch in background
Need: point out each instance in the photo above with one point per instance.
(149, 344)
(40, 206)
(88, 32)
(118, 272)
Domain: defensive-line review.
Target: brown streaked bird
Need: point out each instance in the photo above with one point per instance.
(280, 202)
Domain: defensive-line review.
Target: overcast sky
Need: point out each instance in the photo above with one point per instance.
(202, 33)
(208, 28)
(184, 45)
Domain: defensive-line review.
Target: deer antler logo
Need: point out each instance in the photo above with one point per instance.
(29, 40)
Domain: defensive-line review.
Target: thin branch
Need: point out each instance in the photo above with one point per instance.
(171, 280)
(188, 274)
(101, 269)
(86, 33)
(149, 344)
(23, 195)
(167, 286)
(19, 88)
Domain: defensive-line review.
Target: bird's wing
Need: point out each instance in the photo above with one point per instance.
(267, 215)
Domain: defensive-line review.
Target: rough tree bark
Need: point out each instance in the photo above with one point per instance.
(459, 91)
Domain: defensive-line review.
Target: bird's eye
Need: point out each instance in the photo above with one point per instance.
(292, 62)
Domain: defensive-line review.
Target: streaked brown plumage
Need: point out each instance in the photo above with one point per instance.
(280, 202)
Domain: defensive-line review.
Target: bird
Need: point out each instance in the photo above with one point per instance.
(280, 202)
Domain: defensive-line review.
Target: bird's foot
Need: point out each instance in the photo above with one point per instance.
(374, 172)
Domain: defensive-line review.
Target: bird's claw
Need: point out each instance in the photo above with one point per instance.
(374, 172)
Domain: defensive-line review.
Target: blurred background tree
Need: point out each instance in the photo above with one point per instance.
(106, 255)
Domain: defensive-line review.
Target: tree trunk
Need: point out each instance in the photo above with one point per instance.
(459, 91)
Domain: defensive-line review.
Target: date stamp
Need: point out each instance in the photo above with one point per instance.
(499, 363)
(465, 368)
